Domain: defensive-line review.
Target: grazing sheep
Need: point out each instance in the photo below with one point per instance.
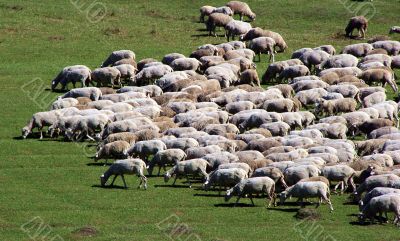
(376, 192)
(271, 172)
(236, 107)
(370, 125)
(250, 186)
(64, 103)
(128, 61)
(330, 107)
(182, 64)
(91, 92)
(291, 72)
(280, 105)
(121, 136)
(234, 28)
(358, 50)
(242, 9)
(118, 55)
(205, 11)
(385, 59)
(127, 71)
(263, 45)
(181, 143)
(339, 61)
(113, 150)
(151, 73)
(395, 62)
(391, 46)
(200, 152)
(384, 203)
(86, 126)
(385, 180)
(217, 20)
(250, 77)
(303, 190)
(287, 156)
(374, 98)
(360, 23)
(340, 173)
(225, 10)
(311, 96)
(314, 58)
(296, 173)
(188, 167)
(377, 133)
(382, 76)
(127, 166)
(225, 178)
(74, 74)
(278, 128)
(145, 148)
(166, 157)
(40, 120)
(327, 48)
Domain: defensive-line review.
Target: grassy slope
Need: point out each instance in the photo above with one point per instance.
(51, 179)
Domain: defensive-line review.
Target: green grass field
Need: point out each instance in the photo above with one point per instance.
(52, 183)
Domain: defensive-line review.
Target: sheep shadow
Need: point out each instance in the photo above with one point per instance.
(232, 205)
(288, 210)
(207, 195)
(171, 186)
(110, 187)
(200, 35)
(96, 164)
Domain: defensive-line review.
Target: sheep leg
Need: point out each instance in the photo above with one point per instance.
(337, 185)
(91, 138)
(41, 133)
(237, 200)
(251, 199)
(174, 180)
(329, 202)
(140, 183)
(159, 170)
(123, 179)
(145, 182)
(342, 187)
(241, 17)
(112, 183)
(319, 202)
(187, 179)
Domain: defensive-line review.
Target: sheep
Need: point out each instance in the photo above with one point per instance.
(280, 105)
(331, 107)
(299, 52)
(340, 72)
(91, 92)
(128, 61)
(118, 55)
(385, 59)
(307, 118)
(200, 152)
(339, 61)
(347, 90)
(236, 107)
(145, 148)
(250, 76)
(64, 103)
(291, 72)
(217, 159)
(237, 164)
(296, 173)
(382, 76)
(387, 110)
(242, 9)
(327, 48)
(272, 172)
(382, 160)
(391, 46)
(181, 143)
(151, 73)
(314, 58)
(376, 192)
(307, 190)
(395, 62)
(116, 149)
(250, 186)
(316, 179)
(377, 133)
(75, 73)
(287, 156)
(224, 9)
(87, 125)
(384, 203)
(385, 180)
(40, 120)
(188, 167)
(235, 27)
(217, 20)
(225, 178)
(121, 136)
(185, 64)
(263, 45)
(370, 125)
(205, 11)
(374, 98)
(165, 157)
(127, 166)
(360, 23)
(311, 96)
(278, 128)
(394, 29)
(358, 50)
(341, 173)
(257, 119)
(221, 129)
(127, 71)
(308, 84)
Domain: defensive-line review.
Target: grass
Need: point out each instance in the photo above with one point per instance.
(52, 179)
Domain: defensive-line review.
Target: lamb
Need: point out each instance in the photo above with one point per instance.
(360, 23)
(384, 203)
(394, 29)
(391, 46)
(225, 178)
(182, 64)
(307, 190)
(40, 120)
(163, 158)
(341, 173)
(358, 50)
(127, 166)
(235, 27)
(145, 148)
(188, 167)
(205, 11)
(263, 45)
(385, 180)
(291, 72)
(331, 107)
(339, 61)
(118, 55)
(91, 92)
(382, 76)
(217, 20)
(75, 73)
(113, 150)
(250, 186)
(242, 9)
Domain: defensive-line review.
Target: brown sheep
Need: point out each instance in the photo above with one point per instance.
(368, 147)
(250, 76)
(383, 76)
(360, 23)
(316, 179)
(217, 20)
(331, 107)
(242, 9)
(286, 90)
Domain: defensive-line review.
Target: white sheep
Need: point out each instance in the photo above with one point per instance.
(127, 166)
(236, 28)
(40, 120)
(165, 157)
(384, 203)
(118, 55)
(188, 167)
(225, 178)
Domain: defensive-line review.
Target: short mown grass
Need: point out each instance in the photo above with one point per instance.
(53, 180)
